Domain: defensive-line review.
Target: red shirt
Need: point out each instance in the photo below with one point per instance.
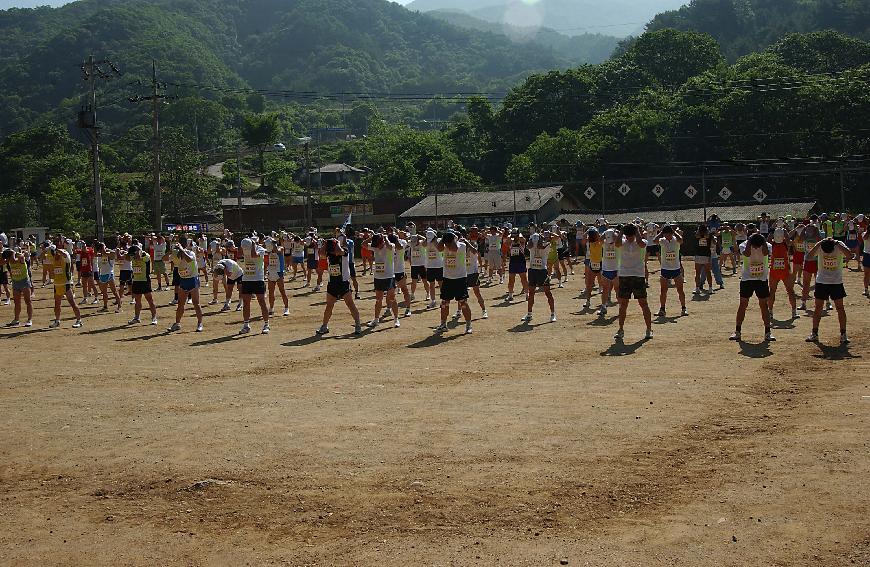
(87, 255)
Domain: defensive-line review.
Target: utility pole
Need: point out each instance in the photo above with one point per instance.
(239, 179)
(155, 97)
(88, 120)
(603, 187)
(309, 212)
(704, 190)
(842, 190)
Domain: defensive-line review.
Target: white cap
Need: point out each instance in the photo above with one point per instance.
(860, 218)
(246, 243)
(535, 238)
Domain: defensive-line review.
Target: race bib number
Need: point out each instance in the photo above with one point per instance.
(702, 242)
(310, 251)
(298, 250)
(756, 269)
(335, 270)
(273, 261)
(380, 267)
(595, 266)
(830, 264)
(18, 273)
(433, 255)
(58, 271)
(537, 263)
(779, 263)
(515, 251)
(808, 245)
(183, 272)
(450, 262)
(670, 256)
(416, 254)
(610, 254)
(250, 269)
(138, 269)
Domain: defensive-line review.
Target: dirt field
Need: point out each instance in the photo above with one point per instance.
(514, 446)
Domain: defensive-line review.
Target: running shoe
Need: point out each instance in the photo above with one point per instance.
(134, 321)
(54, 324)
(602, 310)
(323, 330)
(213, 302)
(199, 328)
(649, 334)
(94, 302)
(527, 318)
(408, 312)
(77, 324)
(246, 328)
(14, 323)
(154, 321)
(510, 297)
(561, 285)
(468, 330)
(485, 314)
(316, 288)
(226, 307)
(684, 312)
(357, 328)
(28, 323)
(396, 323)
(239, 306)
(174, 327)
(552, 317)
(266, 329)
(813, 338)
(412, 297)
(844, 339)
(794, 314)
(286, 311)
(619, 334)
(661, 312)
(356, 296)
(735, 336)
(173, 302)
(768, 336)
(271, 312)
(442, 328)
(457, 315)
(803, 306)
(388, 313)
(373, 323)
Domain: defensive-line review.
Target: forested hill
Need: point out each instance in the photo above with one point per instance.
(308, 45)
(747, 26)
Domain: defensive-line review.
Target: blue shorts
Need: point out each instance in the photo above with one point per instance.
(312, 263)
(610, 275)
(189, 284)
(865, 260)
(106, 278)
(852, 244)
(517, 266)
(298, 260)
(671, 274)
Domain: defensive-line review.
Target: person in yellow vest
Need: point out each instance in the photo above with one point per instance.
(186, 261)
(19, 273)
(62, 270)
(140, 263)
(45, 260)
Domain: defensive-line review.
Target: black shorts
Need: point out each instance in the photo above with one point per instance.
(338, 289)
(126, 276)
(472, 280)
(352, 269)
(434, 274)
(237, 281)
(418, 273)
(78, 265)
(253, 288)
(562, 253)
(454, 289)
(759, 288)
(631, 286)
(4, 277)
(653, 250)
(399, 277)
(831, 292)
(539, 278)
(141, 288)
(384, 284)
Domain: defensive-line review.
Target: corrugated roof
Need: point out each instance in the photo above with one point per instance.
(337, 168)
(797, 209)
(483, 203)
(246, 202)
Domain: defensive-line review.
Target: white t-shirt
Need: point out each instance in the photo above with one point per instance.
(383, 269)
(454, 262)
(434, 258)
(538, 257)
(756, 267)
(830, 267)
(670, 254)
(609, 257)
(254, 265)
(399, 257)
(631, 261)
(232, 268)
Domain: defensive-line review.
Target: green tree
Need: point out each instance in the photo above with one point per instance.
(360, 116)
(260, 131)
(17, 210)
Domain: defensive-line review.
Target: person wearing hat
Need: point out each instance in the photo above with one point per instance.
(516, 263)
(780, 270)
(539, 274)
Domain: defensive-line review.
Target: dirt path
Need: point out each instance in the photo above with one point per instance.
(513, 446)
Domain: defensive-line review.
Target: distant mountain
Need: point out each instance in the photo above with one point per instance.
(6, 4)
(277, 45)
(575, 49)
(571, 17)
(746, 26)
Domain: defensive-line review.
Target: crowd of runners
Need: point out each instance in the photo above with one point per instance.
(447, 268)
